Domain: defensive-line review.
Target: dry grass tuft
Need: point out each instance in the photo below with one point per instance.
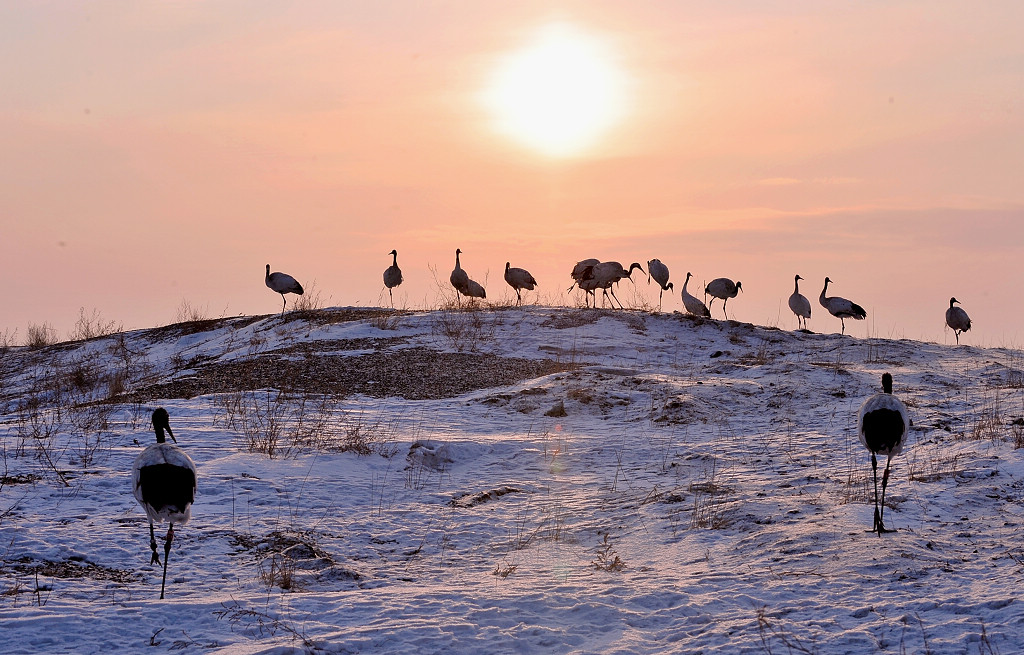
(92, 326)
(39, 336)
(607, 559)
(466, 330)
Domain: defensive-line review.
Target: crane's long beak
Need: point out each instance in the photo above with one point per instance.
(172, 434)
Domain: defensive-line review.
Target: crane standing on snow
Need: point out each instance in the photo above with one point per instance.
(957, 319)
(658, 271)
(882, 425)
(841, 308)
(463, 285)
(282, 283)
(164, 483)
(519, 278)
(799, 303)
(693, 304)
(392, 276)
(723, 288)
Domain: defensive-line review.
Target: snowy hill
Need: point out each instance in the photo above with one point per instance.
(508, 481)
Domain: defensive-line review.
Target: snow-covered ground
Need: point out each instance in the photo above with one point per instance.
(511, 481)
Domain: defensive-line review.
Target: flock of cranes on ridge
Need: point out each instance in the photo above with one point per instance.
(592, 274)
(164, 476)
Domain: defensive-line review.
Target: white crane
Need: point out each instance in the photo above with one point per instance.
(957, 319)
(583, 272)
(475, 290)
(282, 283)
(799, 303)
(841, 308)
(659, 272)
(164, 482)
(392, 276)
(519, 278)
(723, 288)
(463, 285)
(693, 304)
(882, 425)
(608, 273)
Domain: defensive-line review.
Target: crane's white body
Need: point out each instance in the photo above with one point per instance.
(474, 290)
(841, 308)
(799, 304)
(582, 269)
(282, 283)
(155, 455)
(882, 402)
(583, 272)
(463, 285)
(693, 304)
(392, 275)
(658, 271)
(519, 279)
(957, 319)
(608, 273)
(723, 288)
(459, 278)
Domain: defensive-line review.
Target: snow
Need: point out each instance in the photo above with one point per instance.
(705, 491)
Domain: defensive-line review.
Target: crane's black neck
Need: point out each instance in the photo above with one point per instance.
(161, 422)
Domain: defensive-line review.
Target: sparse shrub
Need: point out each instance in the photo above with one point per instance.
(40, 336)
(277, 570)
(189, 313)
(607, 559)
(261, 622)
(365, 438)
(708, 511)
(931, 465)
(310, 300)
(279, 423)
(92, 326)
(467, 330)
(387, 320)
(40, 428)
(260, 417)
(7, 339)
(1017, 433)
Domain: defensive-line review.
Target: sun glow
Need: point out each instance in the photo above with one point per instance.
(559, 93)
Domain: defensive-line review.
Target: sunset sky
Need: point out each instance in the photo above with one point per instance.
(160, 152)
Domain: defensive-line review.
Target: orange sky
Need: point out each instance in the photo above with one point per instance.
(160, 152)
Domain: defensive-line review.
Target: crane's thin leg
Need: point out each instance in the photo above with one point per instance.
(660, 294)
(874, 474)
(881, 512)
(519, 298)
(283, 302)
(616, 299)
(167, 555)
(844, 325)
(392, 298)
(152, 544)
(724, 303)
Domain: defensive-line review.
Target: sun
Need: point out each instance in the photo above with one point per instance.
(558, 94)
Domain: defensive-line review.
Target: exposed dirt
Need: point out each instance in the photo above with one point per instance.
(413, 373)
